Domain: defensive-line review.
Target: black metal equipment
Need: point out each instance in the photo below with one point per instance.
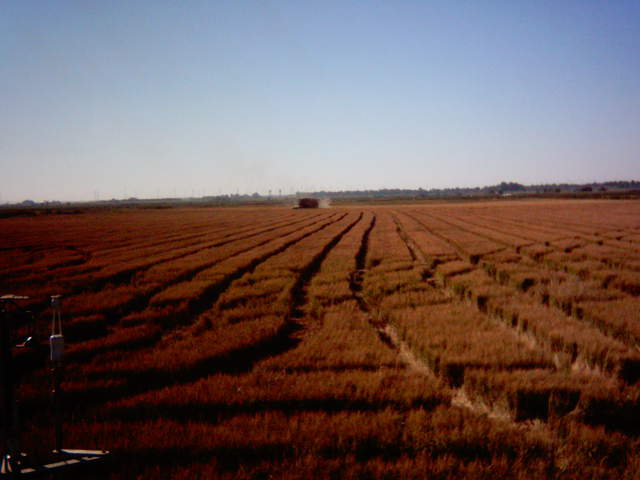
(14, 463)
(12, 318)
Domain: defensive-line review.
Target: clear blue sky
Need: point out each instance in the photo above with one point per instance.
(154, 98)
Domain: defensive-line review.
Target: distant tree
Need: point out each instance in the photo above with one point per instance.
(511, 187)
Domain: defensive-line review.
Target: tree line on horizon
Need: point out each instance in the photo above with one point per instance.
(503, 188)
(498, 189)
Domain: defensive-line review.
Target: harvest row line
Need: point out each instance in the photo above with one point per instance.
(431, 323)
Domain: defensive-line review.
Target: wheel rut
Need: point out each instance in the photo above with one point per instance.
(244, 359)
(206, 299)
(460, 397)
(299, 290)
(386, 332)
(126, 275)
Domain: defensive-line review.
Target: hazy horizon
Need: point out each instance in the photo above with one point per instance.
(155, 99)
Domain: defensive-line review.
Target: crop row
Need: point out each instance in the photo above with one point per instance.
(450, 338)
(353, 342)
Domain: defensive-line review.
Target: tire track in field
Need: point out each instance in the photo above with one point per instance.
(399, 230)
(555, 266)
(582, 228)
(211, 295)
(126, 275)
(300, 287)
(577, 363)
(518, 249)
(500, 231)
(356, 277)
(131, 245)
(226, 225)
(207, 298)
(520, 224)
(236, 361)
(570, 307)
(570, 227)
(443, 284)
(622, 234)
(31, 270)
(462, 254)
(565, 306)
(355, 285)
(566, 224)
(425, 263)
(289, 335)
(386, 332)
(78, 275)
(414, 250)
(243, 360)
(188, 275)
(167, 239)
(430, 263)
(477, 234)
(216, 411)
(547, 230)
(460, 397)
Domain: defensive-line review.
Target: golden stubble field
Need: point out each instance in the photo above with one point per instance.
(476, 340)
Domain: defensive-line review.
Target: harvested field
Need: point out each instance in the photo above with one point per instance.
(481, 340)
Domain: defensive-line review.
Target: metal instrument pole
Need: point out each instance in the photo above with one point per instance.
(57, 346)
(57, 408)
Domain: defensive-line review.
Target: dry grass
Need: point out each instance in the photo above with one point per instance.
(253, 343)
(452, 338)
